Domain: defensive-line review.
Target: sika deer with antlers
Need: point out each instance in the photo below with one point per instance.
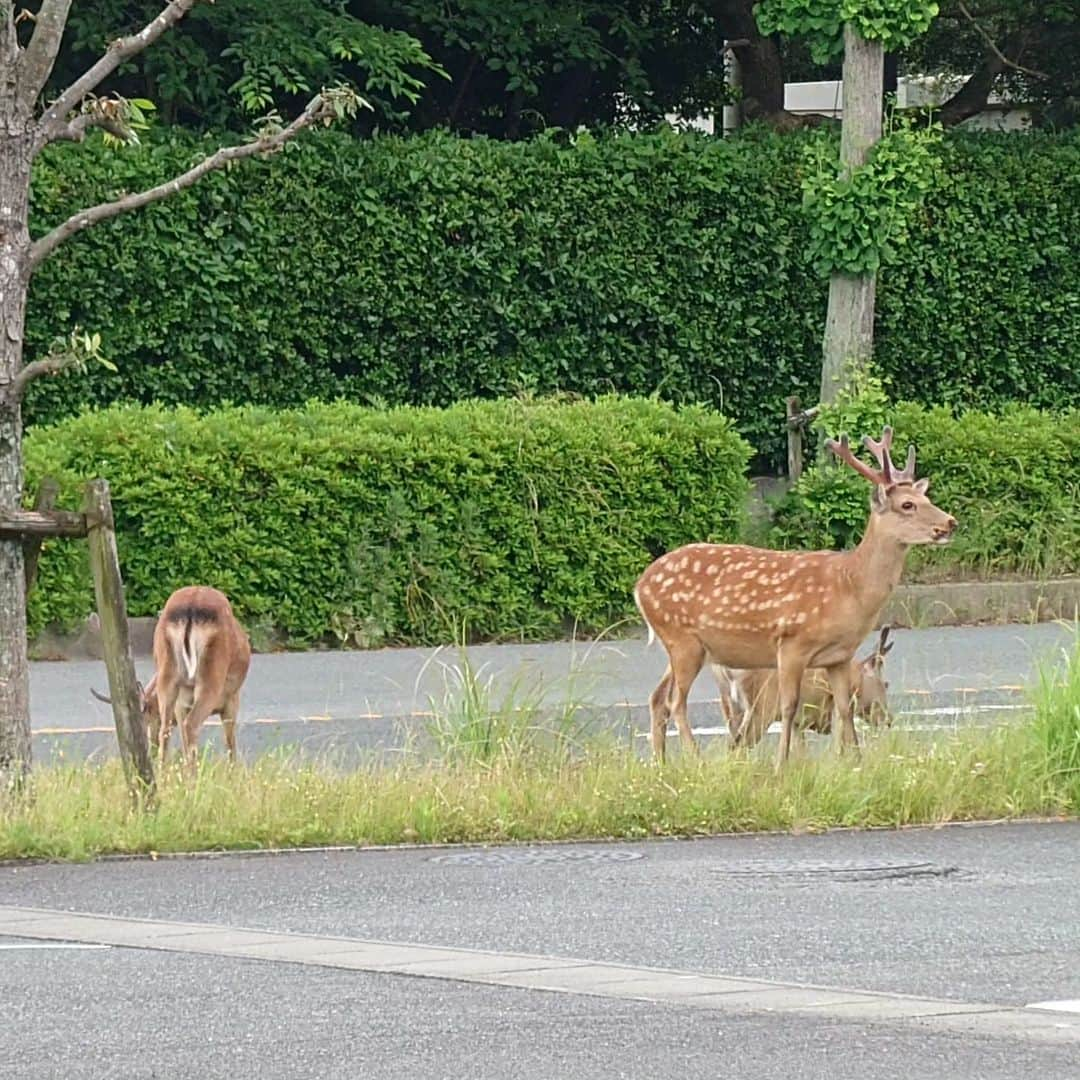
(745, 607)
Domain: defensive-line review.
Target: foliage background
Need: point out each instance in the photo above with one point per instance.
(510, 519)
(435, 269)
(1012, 480)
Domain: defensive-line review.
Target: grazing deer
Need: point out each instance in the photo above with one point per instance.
(202, 655)
(745, 607)
(750, 700)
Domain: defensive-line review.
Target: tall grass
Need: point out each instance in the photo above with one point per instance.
(77, 812)
(481, 720)
(1056, 724)
(510, 773)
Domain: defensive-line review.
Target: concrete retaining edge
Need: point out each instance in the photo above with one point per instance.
(960, 603)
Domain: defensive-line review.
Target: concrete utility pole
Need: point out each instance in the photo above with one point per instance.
(849, 324)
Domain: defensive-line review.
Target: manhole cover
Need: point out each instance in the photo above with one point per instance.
(809, 873)
(534, 856)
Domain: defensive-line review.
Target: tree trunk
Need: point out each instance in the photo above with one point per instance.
(14, 245)
(971, 98)
(849, 325)
(758, 56)
(761, 68)
(762, 77)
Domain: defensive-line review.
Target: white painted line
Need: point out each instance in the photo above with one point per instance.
(1058, 1006)
(52, 945)
(965, 710)
(901, 724)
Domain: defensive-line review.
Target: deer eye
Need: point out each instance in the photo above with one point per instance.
(907, 504)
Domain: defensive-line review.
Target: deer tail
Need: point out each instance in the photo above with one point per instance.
(652, 632)
(190, 631)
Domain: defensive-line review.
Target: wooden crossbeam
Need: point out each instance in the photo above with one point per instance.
(28, 523)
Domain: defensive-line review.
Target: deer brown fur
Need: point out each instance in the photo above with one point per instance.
(745, 607)
(202, 656)
(750, 700)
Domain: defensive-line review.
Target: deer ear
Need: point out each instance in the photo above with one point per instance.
(921, 486)
(879, 501)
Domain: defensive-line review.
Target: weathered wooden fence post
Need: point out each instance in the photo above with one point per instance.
(797, 421)
(794, 441)
(116, 648)
(47, 494)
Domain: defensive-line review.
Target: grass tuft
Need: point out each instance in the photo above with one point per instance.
(78, 812)
(510, 772)
(1056, 723)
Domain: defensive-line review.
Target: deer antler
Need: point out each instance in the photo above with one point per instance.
(889, 476)
(881, 449)
(843, 451)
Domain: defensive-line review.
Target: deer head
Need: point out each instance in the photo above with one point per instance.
(872, 688)
(900, 508)
(147, 699)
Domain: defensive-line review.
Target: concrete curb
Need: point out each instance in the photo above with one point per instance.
(209, 854)
(722, 994)
(959, 603)
(967, 603)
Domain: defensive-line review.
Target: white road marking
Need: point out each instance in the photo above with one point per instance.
(1058, 1006)
(51, 945)
(421, 714)
(901, 725)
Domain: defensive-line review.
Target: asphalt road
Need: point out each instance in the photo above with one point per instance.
(357, 702)
(978, 914)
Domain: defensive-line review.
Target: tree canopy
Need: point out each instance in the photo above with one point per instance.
(509, 68)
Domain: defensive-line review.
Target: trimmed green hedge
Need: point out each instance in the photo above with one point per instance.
(436, 269)
(1010, 480)
(510, 519)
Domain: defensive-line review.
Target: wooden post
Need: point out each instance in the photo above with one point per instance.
(112, 611)
(849, 323)
(47, 494)
(794, 441)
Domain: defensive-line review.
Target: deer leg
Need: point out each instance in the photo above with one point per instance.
(733, 716)
(789, 673)
(757, 716)
(228, 724)
(168, 701)
(154, 732)
(659, 710)
(176, 720)
(193, 723)
(685, 666)
(843, 727)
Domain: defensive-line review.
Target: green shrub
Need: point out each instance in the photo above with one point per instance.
(1009, 479)
(435, 269)
(510, 519)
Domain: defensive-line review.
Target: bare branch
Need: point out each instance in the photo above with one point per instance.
(989, 41)
(319, 109)
(47, 365)
(36, 63)
(73, 351)
(76, 129)
(52, 364)
(120, 50)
